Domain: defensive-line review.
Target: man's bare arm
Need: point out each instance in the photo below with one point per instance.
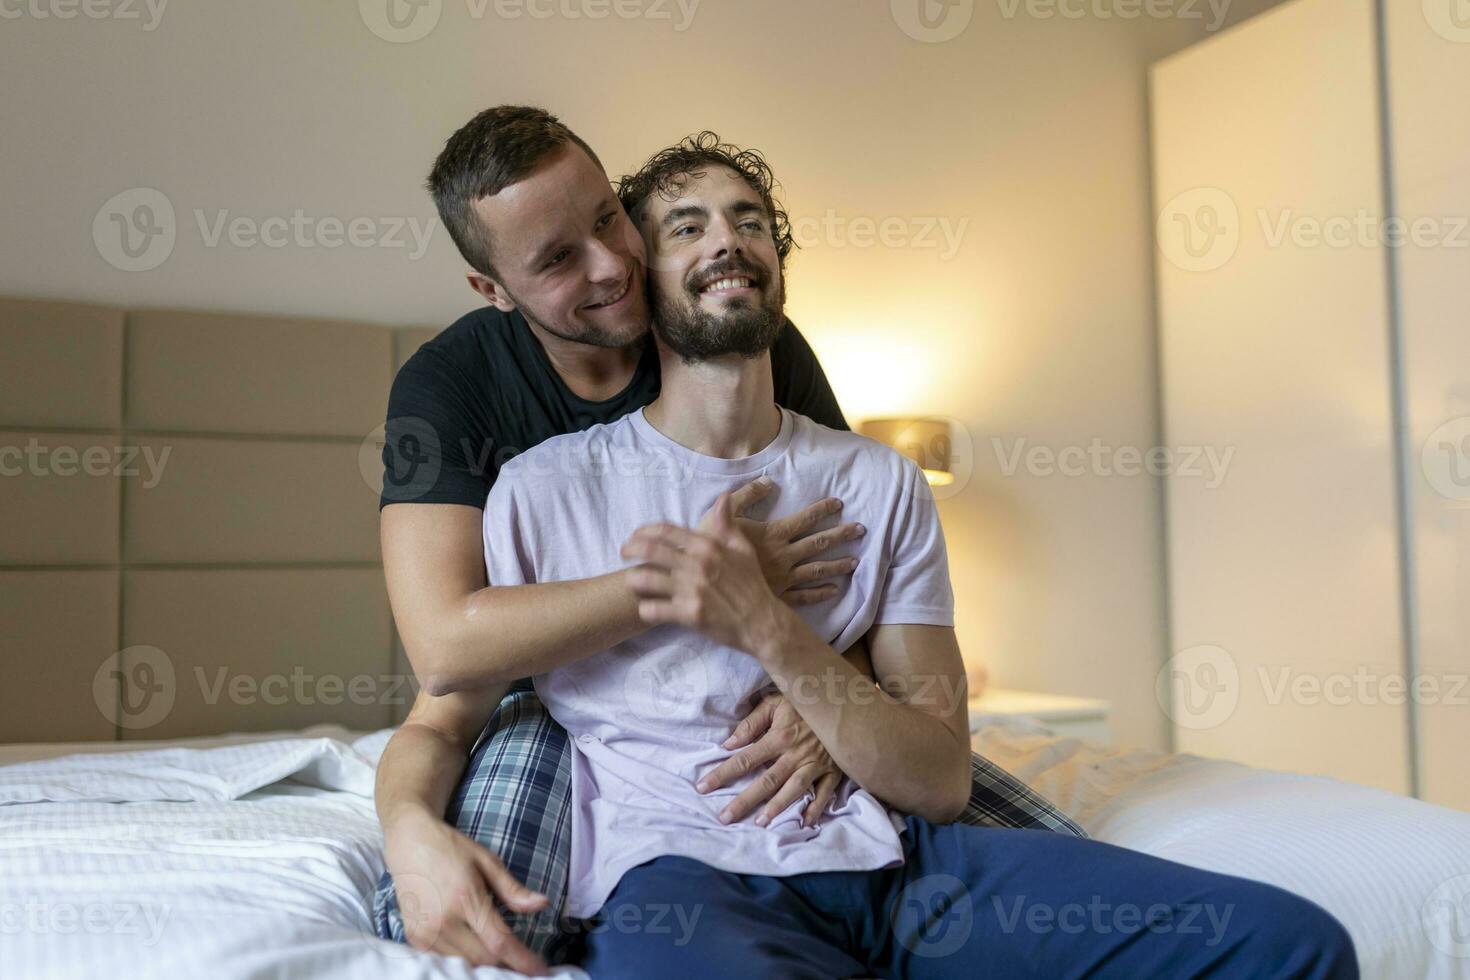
(446, 883)
(904, 739)
(461, 634)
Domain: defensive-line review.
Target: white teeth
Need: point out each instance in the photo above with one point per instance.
(733, 283)
(613, 299)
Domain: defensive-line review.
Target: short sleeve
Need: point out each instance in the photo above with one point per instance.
(916, 588)
(507, 559)
(429, 426)
(800, 383)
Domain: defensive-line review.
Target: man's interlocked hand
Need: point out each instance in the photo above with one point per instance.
(728, 580)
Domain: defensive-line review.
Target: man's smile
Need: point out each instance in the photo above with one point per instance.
(617, 298)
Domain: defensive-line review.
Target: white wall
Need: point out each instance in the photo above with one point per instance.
(1029, 130)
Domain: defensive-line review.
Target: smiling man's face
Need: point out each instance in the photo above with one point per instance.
(566, 253)
(714, 273)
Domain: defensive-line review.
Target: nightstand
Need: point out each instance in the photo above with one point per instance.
(1063, 715)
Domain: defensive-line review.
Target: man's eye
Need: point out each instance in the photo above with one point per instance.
(605, 220)
(679, 232)
(752, 225)
(558, 258)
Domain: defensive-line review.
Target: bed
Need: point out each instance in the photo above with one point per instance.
(256, 856)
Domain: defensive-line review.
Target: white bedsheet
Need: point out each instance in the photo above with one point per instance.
(259, 860)
(245, 861)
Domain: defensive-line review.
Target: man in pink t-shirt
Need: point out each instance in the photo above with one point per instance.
(880, 882)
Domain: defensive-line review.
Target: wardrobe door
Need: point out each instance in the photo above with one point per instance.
(1274, 347)
(1428, 78)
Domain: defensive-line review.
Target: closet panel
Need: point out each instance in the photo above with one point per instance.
(1428, 76)
(1274, 347)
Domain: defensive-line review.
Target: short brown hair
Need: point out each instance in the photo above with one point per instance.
(501, 146)
(666, 171)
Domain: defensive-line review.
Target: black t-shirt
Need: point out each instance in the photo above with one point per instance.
(484, 390)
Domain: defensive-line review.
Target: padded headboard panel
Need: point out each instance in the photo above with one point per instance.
(188, 523)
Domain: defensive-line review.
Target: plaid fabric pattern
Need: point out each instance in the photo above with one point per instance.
(515, 799)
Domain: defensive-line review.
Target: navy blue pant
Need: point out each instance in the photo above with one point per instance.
(968, 902)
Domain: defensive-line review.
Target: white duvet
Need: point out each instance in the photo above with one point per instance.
(254, 860)
(259, 860)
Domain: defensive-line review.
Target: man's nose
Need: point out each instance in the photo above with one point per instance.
(721, 240)
(606, 265)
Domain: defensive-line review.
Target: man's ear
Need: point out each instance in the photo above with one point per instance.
(493, 292)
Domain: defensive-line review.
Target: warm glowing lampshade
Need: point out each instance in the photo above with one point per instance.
(925, 441)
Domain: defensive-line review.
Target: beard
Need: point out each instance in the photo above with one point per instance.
(696, 334)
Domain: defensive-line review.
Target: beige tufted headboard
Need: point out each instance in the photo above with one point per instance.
(188, 523)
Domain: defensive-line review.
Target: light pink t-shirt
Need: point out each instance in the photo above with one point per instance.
(647, 716)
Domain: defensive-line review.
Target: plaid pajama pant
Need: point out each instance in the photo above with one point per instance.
(515, 799)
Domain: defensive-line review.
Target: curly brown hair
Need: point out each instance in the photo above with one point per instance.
(667, 170)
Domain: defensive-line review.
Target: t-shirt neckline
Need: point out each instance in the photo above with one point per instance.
(715, 464)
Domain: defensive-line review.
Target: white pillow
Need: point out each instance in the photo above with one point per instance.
(1395, 871)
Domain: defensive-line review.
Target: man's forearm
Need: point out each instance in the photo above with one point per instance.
(418, 771)
(907, 757)
(504, 633)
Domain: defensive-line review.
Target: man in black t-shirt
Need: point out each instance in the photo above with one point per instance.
(561, 346)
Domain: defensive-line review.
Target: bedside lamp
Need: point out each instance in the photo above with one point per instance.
(926, 441)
